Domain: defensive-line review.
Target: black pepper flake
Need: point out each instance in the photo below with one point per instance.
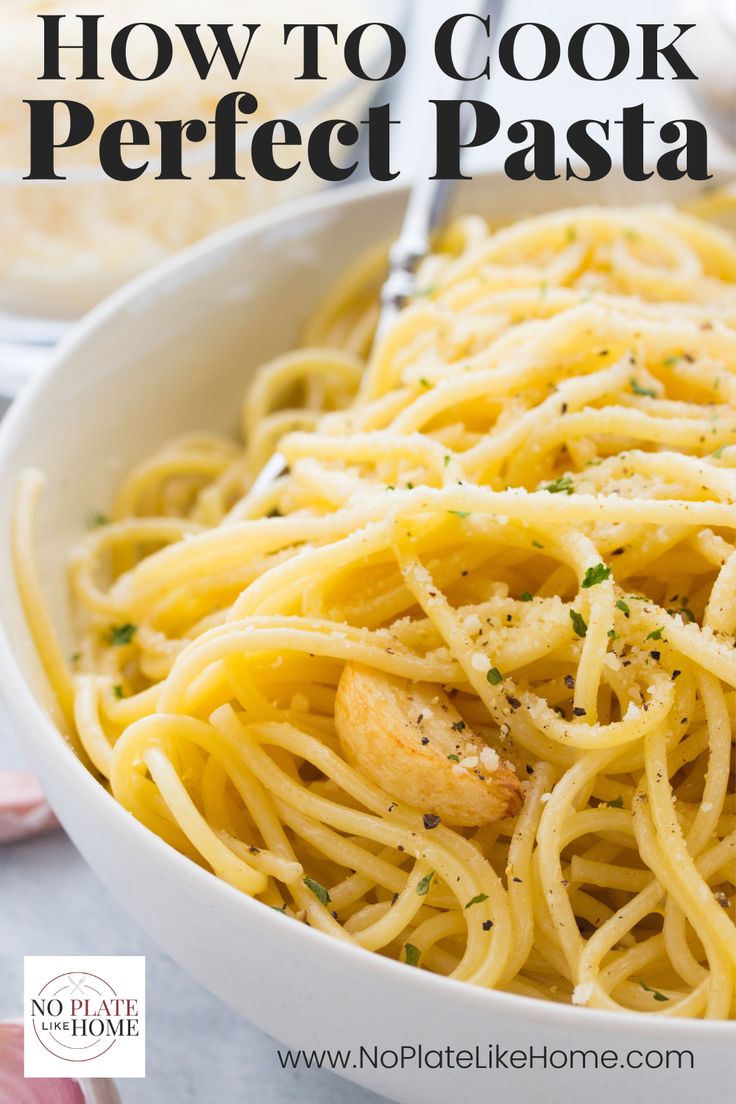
(487, 925)
(618, 552)
(513, 702)
(425, 740)
(563, 408)
(578, 711)
(529, 769)
(420, 718)
(430, 820)
(569, 682)
(655, 654)
(518, 880)
(676, 674)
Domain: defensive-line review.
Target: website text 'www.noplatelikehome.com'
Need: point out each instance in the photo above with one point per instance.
(491, 1057)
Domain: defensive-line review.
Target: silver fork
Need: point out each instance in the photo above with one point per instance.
(425, 212)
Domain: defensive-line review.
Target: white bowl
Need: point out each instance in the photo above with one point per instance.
(173, 353)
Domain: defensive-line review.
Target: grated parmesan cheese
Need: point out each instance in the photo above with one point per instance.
(300, 703)
(583, 993)
(469, 762)
(66, 247)
(489, 759)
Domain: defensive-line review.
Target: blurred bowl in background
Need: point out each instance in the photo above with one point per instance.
(711, 47)
(68, 244)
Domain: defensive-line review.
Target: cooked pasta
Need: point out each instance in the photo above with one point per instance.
(460, 688)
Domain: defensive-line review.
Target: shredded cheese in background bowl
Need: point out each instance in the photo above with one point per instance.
(66, 244)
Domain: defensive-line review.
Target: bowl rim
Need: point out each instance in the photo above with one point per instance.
(23, 703)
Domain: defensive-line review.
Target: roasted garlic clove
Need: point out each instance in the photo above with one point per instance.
(408, 738)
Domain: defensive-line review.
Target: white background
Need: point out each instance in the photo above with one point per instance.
(198, 1051)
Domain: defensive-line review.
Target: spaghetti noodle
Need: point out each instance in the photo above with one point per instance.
(461, 687)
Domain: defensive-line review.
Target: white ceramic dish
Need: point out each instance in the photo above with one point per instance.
(172, 353)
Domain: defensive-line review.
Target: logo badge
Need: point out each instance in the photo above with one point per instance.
(85, 1016)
